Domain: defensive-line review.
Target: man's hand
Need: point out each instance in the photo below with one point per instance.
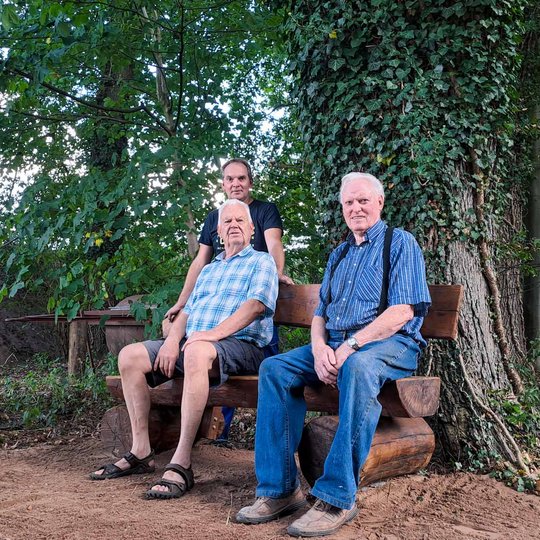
(325, 364)
(206, 335)
(166, 358)
(285, 279)
(173, 311)
(165, 327)
(342, 353)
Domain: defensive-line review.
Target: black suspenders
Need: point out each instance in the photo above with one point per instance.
(383, 302)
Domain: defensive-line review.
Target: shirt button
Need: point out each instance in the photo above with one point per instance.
(343, 300)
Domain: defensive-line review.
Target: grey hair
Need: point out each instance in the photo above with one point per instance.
(348, 178)
(230, 202)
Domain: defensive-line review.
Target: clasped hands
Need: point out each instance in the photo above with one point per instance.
(328, 361)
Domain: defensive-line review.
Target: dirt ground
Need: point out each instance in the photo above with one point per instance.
(45, 493)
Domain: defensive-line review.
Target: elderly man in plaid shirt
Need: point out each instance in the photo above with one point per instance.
(220, 332)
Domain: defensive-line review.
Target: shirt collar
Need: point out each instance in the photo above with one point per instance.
(371, 234)
(246, 251)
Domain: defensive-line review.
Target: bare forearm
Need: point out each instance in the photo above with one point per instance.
(278, 254)
(385, 325)
(318, 331)
(177, 328)
(242, 317)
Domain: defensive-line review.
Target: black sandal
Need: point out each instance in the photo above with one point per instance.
(176, 489)
(137, 466)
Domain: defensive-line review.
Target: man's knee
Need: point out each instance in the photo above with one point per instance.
(198, 357)
(271, 368)
(363, 369)
(276, 370)
(133, 357)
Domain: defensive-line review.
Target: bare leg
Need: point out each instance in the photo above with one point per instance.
(198, 360)
(134, 363)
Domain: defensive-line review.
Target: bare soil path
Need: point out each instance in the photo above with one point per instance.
(45, 493)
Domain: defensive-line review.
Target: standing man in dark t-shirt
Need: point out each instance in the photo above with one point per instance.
(237, 184)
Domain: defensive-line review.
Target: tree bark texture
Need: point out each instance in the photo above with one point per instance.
(443, 149)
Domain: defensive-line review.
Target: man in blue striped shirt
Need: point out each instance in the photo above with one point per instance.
(220, 332)
(356, 345)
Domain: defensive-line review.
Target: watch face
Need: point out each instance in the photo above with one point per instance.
(352, 343)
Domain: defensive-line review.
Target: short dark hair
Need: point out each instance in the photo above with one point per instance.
(242, 162)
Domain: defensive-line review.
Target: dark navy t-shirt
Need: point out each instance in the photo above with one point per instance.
(265, 215)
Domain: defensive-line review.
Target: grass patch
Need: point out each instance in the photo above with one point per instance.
(45, 398)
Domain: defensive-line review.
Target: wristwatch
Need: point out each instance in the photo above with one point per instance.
(353, 344)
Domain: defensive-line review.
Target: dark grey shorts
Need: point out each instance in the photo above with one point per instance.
(235, 357)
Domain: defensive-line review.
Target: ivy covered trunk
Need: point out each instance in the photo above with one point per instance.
(424, 95)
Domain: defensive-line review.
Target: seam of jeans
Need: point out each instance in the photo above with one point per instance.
(288, 483)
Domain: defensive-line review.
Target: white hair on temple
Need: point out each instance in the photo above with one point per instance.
(230, 202)
(348, 178)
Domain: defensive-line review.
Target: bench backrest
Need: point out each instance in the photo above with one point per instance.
(296, 304)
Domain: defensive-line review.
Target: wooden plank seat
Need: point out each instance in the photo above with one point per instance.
(402, 432)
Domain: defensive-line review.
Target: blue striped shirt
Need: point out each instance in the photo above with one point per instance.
(225, 284)
(357, 282)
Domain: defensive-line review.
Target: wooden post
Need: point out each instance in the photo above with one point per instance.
(78, 336)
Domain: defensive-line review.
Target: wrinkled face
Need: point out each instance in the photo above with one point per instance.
(236, 183)
(235, 227)
(361, 205)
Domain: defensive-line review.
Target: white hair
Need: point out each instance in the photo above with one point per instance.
(352, 176)
(230, 202)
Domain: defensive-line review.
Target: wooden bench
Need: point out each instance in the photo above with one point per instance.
(402, 431)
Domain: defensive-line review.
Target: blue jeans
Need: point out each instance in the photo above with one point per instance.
(281, 410)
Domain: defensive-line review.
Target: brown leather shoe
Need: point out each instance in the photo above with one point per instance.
(321, 519)
(266, 508)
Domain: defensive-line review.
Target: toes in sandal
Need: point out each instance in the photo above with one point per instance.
(175, 489)
(136, 466)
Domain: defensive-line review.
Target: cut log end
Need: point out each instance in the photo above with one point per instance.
(400, 446)
(163, 427)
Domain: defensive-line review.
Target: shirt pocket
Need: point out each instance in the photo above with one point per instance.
(369, 283)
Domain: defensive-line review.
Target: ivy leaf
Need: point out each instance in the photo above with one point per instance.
(336, 63)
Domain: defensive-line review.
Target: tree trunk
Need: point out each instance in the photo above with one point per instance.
(421, 114)
(532, 286)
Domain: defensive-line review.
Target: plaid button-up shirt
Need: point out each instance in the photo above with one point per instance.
(357, 282)
(225, 284)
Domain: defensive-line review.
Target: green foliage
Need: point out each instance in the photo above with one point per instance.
(522, 415)
(114, 120)
(408, 91)
(516, 480)
(46, 395)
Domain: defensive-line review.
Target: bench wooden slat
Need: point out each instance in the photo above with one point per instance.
(297, 303)
(413, 397)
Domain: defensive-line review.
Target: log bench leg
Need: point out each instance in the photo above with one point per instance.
(163, 427)
(400, 446)
(211, 424)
